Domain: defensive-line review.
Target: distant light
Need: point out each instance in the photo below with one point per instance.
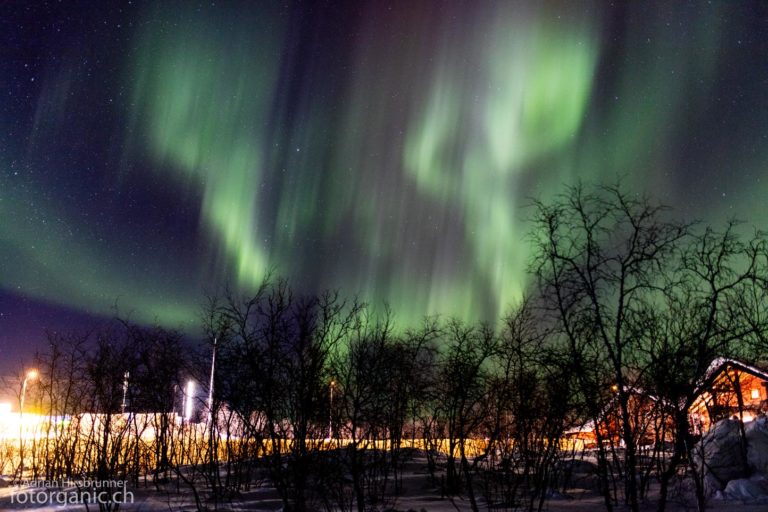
(32, 374)
(755, 394)
(190, 392)
(5, 408)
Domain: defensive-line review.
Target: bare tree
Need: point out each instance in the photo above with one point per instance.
(61, 366)
(600, 257)
(273, 354)
(363, 376)
(462, 401)
(714, 305)
(534, 407)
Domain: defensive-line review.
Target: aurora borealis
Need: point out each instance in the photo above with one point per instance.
(151, 152)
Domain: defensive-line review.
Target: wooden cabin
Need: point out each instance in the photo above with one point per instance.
(731, 389)
(650, 418)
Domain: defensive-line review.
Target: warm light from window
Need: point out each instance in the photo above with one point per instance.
(755, 394)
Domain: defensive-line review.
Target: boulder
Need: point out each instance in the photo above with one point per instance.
(577, 466)
(750, 490)
(582, 481)
(577, 474)
(557, 495)
(723, 458)
(757, 444)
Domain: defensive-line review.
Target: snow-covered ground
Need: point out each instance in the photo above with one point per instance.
(419, 493)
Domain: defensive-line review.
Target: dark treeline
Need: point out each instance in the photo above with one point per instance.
(327, 400)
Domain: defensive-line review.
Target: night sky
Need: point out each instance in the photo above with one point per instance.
(150, 152)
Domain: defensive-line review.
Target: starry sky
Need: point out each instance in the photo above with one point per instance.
(153, 152)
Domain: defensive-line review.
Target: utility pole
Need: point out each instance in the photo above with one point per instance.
(330, 413)
(126, 376)
(31, 374)
(188, 395)
(210, 384)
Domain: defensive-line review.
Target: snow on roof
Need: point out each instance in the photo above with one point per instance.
(717, 364)
(721, 361)
(587, 427)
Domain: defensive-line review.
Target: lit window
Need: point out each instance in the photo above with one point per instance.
(755, 394)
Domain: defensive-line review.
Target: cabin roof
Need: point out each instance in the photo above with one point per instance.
(718, 366)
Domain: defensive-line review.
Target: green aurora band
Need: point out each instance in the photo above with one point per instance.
(204, 100)
(46, 259)
(400, 176)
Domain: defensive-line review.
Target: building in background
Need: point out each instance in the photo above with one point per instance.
(732, 389)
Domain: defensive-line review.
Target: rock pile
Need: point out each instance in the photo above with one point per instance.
(733, 468)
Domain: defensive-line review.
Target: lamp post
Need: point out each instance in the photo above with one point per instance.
(210, 384)
(126, 376)
(190, 391)
(31, 374)
(330, 413)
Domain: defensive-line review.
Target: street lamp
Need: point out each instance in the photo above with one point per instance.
(189, 393)
(330, 413)
(126, 376)
(31, 374)
(210, 384)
